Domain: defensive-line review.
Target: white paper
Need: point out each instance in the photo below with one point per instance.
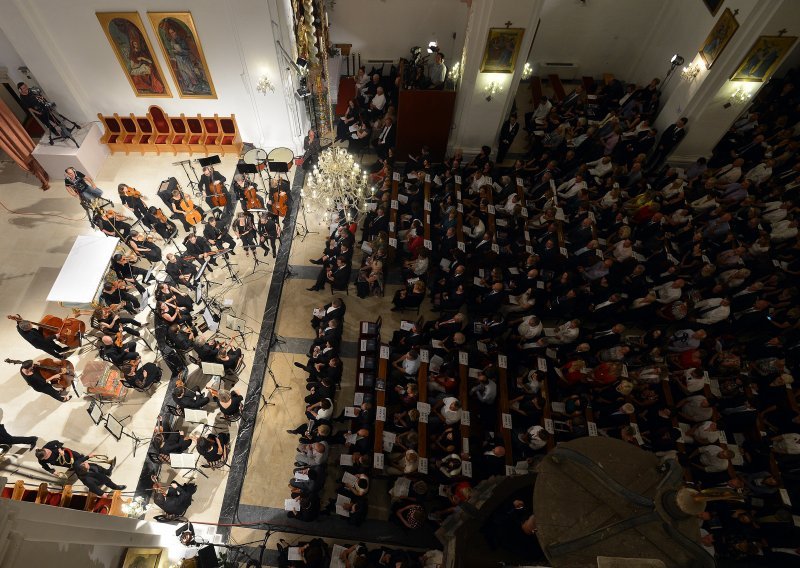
(424, 356)
(490, 209)
(401, 487)
(377, 461)
(291, 505)
(466, 468)
(389, 439)
(461, 246)
(506, 417)
(463, 358)
(380, 413)
(422, 466)
(350, 412)
(348, 478)
(294, 553)
(393, 242)
(458, 181)
(402, 198)
(465, 418)
(437, 344)
(502, 361)
(406, 325)
(423, 407)
(592, 427)
(510, 470)
(346, 459)
(384, 352)
(548, 425)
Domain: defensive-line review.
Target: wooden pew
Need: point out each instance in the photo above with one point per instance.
(380, 402)
(422, 387)
(504, 408)
(393, 218)
(466, 418)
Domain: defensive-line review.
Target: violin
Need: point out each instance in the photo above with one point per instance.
(280, 204)
(68, 330)
(49, 368)
(217, 195)
(252, 199)
(129, 191)
(118, 338)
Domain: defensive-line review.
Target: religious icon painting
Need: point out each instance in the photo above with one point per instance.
(719, 37)
(763, 58)
(181, 47)
(126, 34)
(502, 48)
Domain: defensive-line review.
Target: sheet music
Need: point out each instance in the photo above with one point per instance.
(294, 553)
(291, 505)
(346, 460)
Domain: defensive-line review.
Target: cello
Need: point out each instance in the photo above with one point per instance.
(49, 368)
(216, 194)
(280, 205)
(191, 214)
(68, 330)
(252, 200)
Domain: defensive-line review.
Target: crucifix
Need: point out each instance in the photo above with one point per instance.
(781, 32)
(508, 25)
(736, 12)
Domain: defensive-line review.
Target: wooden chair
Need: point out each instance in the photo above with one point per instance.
(113, 134)
(558, 89)
(179, 134)
(162, 135)
(146, 134)
(212, 139)
(230, 141)
(196, 134)
(130, 133)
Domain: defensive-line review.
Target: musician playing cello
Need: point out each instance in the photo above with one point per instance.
(35, 337)
(37, 382)
(210, 175)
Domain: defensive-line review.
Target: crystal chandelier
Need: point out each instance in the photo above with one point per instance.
(135, 508)
(337, 183)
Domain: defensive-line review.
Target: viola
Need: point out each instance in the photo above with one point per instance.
(280, 205)
(217, 195)
(68, 330)
(132, 192)
(192, 215)
(252, 199)
(49, 368)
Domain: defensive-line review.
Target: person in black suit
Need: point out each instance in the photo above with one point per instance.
(385, 139)
(671, 137)
(188, 398)
(337, 276)
(334, 310)
(312, 149)
(36, 338)
(507, 134)
(379, 224)
(7, 439)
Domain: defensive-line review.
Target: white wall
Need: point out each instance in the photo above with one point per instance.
(66, 48)
(10, 59)
(388, 29)
(600, 36)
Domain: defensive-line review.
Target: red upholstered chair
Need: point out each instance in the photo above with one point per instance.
(162, 138)
(213, 134)
(113, 132)
(179, 139)
(130, 133)
(231, 141)
(194, 127)
(146, 134)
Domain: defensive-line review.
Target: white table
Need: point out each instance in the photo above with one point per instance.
(81, 277)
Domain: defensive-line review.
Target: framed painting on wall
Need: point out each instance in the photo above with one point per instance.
(502, 48)
(181, 47)
(125, 33)
(763, 58)
(713, 6)
(142, 558)
(719, 37)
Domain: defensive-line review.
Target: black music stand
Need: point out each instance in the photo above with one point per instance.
(252, 169)
(209, 161)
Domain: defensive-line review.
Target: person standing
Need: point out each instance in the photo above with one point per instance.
(671, 137)
(312, 148)
(36, 338)
(81, 186)
(507, 134)
(37, 382)
(7, 439)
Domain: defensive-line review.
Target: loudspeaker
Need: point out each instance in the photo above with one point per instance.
(165, 191)
(207, 557)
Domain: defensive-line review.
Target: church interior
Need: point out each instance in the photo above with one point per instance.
(399, 283)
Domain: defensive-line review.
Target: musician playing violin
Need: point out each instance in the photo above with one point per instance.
(180, 270)
(216, 236)
(116, 293)
(36, 338)
(210, 175)
(132, 199)
(199, 248)
(124, 267)
(245, 229)
(37, 382)
(145, 246)
(180, 337)
(172, 313)
(112, 223)
(117, 354)
(110, 322)
(157, 220)
(141, 376)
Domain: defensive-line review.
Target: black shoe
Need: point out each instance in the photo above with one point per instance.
(313, 289)
(120, 487)
(315, 261)
(230, 251)
(112, 464)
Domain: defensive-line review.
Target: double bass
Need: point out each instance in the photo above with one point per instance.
(68, 330)
(49, 368)
(216, 194)
(252, 200)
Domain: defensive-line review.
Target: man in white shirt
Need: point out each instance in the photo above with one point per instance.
(703, 434)
(530, 328)
(670, 291)
(378, 102)
(534, 437)
(713, 310)
(760, 173)
(565, 333)
(485, 391)
(571, 188)
(438, 71)
(696, 408)
(600, 167)
(712, 459)
(449, 410)
(730, 173)
(783, 230)
(537, 118)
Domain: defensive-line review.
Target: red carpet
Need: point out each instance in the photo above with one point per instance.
(347, 90)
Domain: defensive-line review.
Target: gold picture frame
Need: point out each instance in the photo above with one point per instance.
(720, 35)
(128, 38)
(143, 558)
(181, 47)
(502, 49)
(763, 58)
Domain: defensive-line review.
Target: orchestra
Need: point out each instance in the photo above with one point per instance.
(150, 263)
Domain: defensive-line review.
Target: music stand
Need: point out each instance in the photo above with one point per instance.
(95, 412)
(245, 168)
(214, 369)
(209, 160)
(193, 183)
(238, 325)
(117, 431)
(187, 462)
